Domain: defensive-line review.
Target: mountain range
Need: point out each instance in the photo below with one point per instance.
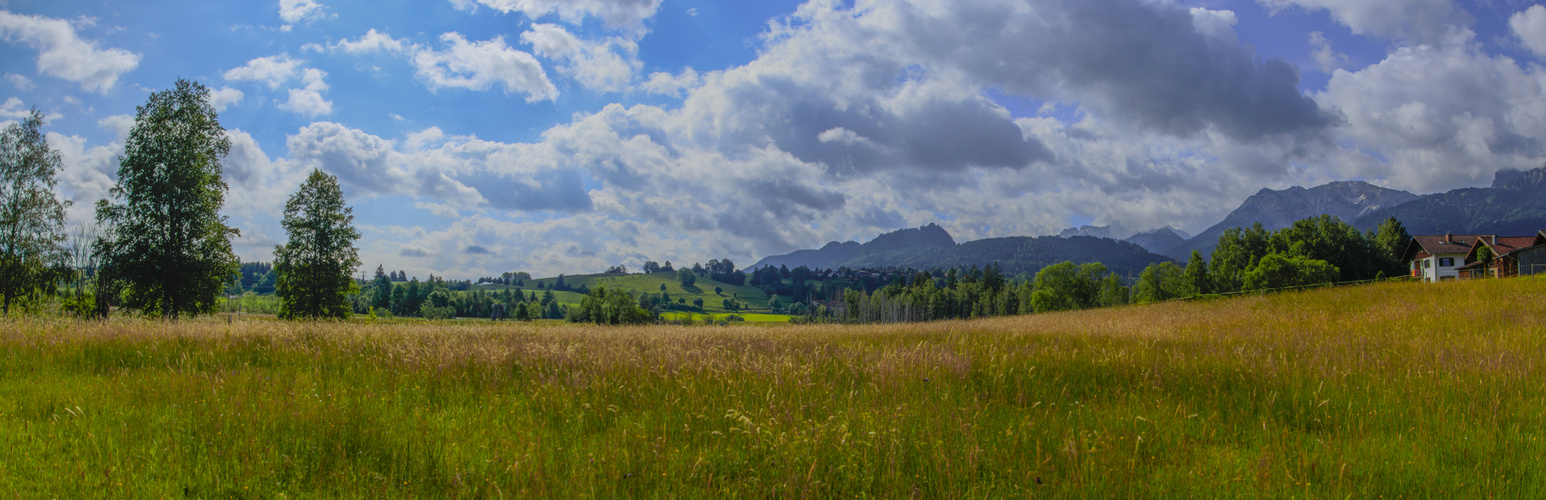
(1515, 204)
(930, 246)
(1348, 200)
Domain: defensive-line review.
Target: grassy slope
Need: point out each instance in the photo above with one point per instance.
(1393, 390)
(640, 283)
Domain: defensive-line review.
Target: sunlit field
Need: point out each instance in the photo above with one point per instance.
(1393, 390)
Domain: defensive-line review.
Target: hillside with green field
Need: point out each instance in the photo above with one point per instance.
(703, 288)
(1392, 390)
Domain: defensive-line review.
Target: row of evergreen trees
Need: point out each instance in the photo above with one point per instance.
(436, 298)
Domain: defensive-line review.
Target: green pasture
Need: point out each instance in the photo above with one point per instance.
(1392, 390)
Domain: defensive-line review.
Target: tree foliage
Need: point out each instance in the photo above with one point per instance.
(169, 244)
(1237, 251)
(1355, 255)
(31, 217)
(314, 268)
(609, 307)
(1338, 243)
(1197, 277)
(1391, 239)
(1279, 271)
(724, 271)
(381, 291)
(1066, 287)
(1163, 281)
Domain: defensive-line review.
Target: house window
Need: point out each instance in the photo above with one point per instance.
(1427, 263)
(1447, 261)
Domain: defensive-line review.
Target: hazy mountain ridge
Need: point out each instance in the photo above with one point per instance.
(1159, 240)
(830, 256)
(931, 246)
(906, 245)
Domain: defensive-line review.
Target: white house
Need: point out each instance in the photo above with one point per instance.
(1434, 258)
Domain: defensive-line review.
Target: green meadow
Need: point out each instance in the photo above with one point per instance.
(639, 284)
(1388, 390)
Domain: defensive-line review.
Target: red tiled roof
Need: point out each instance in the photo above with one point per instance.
(1506, 244)
(1437, 244)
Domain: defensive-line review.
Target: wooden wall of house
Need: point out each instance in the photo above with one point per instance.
(1532, 260)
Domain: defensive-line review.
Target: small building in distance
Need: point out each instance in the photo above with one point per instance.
(1436, 257)
(1511, 256)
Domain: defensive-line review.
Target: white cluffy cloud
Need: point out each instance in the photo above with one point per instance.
(14, 109)
(277, 71)
(224, 97)
(372, 41)
(308, 99)
(119, 125)
(1421, 21)
(63, 54)
(1432, 118)
(1530, 26)
(19, 81)
(272, 70)
(607, 65)
(295, 11)
(461, 63)
(1327, 59)
(672, 85)
(627, 15)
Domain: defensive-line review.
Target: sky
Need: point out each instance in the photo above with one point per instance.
(476, 137)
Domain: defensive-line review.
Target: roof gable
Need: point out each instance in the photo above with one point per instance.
(1441, 244)
(1501, 245)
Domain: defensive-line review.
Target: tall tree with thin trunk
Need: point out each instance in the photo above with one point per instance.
(169, 244)
(314, 267)
(31, 217)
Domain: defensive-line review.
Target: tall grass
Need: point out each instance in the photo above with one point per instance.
(1394, 390)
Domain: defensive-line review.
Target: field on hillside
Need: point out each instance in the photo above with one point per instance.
(650, 283)
(1390, 390)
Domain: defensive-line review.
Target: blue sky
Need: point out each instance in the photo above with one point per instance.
(475, 137)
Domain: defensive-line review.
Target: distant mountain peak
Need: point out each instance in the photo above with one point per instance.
(926, 238)
(1159, 240)
(1506, 175)
(834, 244)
